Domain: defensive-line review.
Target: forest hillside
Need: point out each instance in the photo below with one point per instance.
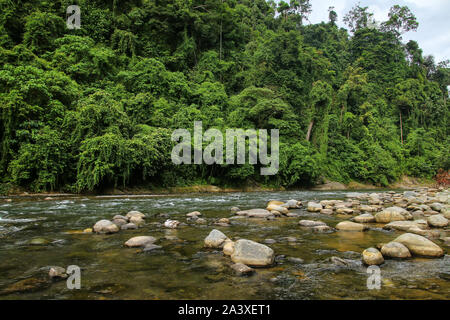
(92, 108)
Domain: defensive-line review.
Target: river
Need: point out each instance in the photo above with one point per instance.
(183, 269)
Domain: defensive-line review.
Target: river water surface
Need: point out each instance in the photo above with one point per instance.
(183, 269)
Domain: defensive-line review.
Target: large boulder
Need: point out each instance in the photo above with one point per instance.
(350, 226)
(105, 226)
(372, 257)
(215, 239)
(314, 207)
(140, 241)
(437, 221)
(419, 245)
(255, 213)
(393, 214)
(395, 250)
(252, 253)
(364, 218)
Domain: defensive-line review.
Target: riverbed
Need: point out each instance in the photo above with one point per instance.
(183, 268)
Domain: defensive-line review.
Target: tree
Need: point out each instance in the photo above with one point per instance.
(332, 15)
(401, 20)
(358, 18)
(41, 30)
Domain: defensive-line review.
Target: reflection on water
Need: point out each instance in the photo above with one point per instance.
(183, 269)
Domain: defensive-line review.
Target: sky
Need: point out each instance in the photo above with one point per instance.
(433, 34)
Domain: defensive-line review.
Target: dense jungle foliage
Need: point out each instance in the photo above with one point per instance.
(93, 108)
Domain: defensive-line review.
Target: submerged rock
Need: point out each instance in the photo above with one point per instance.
(215, 239)
(200, 221)
(395, 250)
(419, 245)
(57, 272)
(242, 269)
(322, 229)
(129, 226)
(342, 262)
(224, 221)
(137, 220)
(252, 253)
(140, 241)
(296, 260)
(255, 213)
(311, 223)
(372, 257)
(105, 226)
(38, 242)
(26, 285)
(151, 247)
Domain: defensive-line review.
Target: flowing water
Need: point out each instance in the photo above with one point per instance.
(183, 269)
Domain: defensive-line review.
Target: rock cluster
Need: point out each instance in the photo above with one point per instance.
(132, 220)
(243, 252)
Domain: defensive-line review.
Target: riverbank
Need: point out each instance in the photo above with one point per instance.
(405, 183)
(318, 248)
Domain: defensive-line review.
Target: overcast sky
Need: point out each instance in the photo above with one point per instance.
(433, 34)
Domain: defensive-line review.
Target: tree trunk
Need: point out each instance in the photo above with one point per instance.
(401, 127)
(308, 135)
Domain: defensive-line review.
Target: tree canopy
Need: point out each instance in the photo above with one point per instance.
(91, 108)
